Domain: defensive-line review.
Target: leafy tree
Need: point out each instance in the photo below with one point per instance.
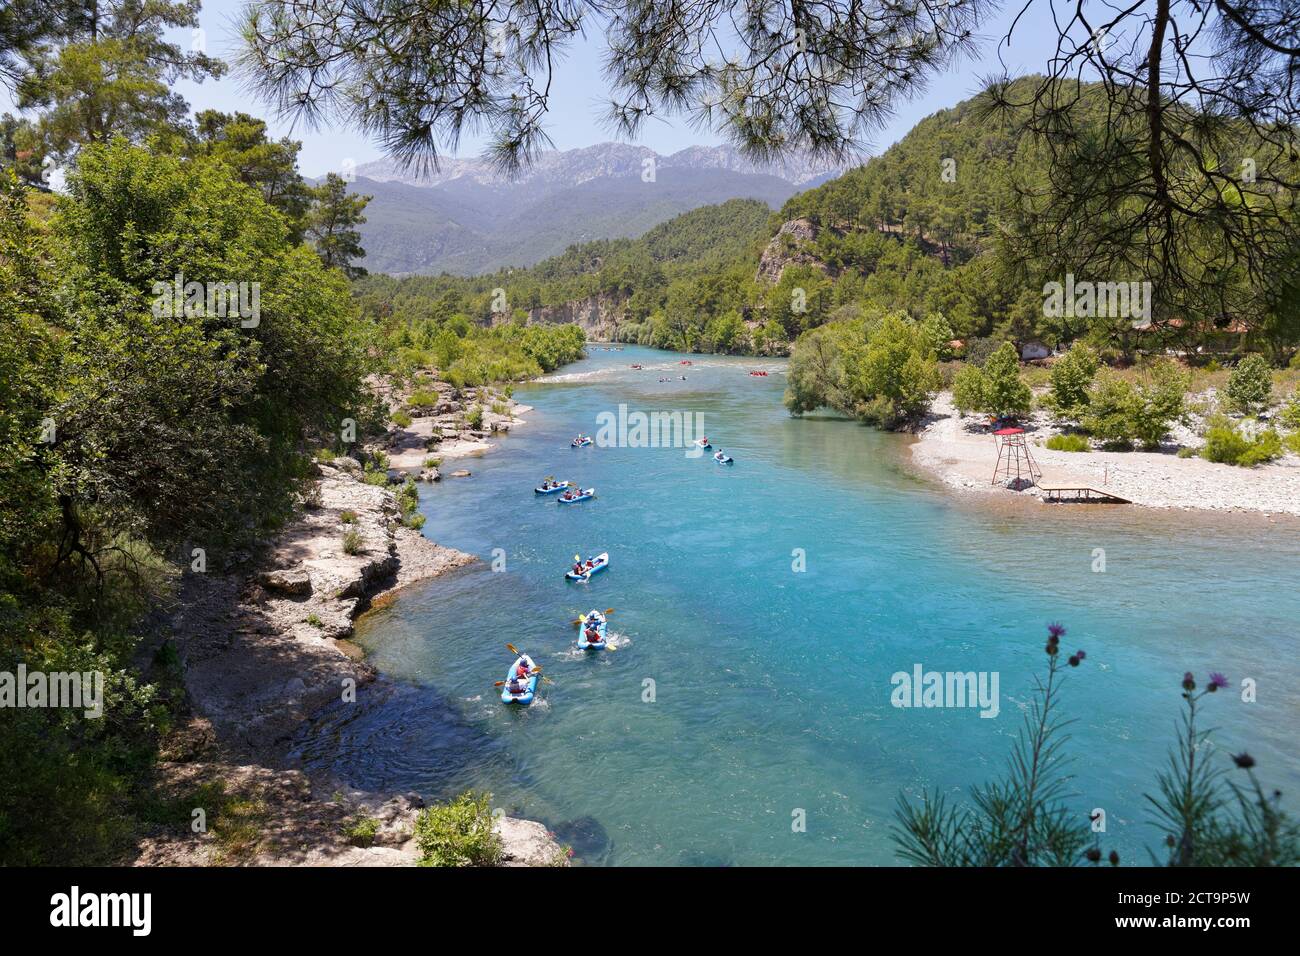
(1250, 385)
(968, 389)
(1071, 378)
(332, 222)
(1004, 392)
(894, 375)
(111, 73)
(240, 141)
(815, 377)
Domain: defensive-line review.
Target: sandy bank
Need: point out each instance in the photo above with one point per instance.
(960, 452)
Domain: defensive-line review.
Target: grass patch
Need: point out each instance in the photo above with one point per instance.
(402, 418)
(348, 517)
(1068, 443)
(352, 542)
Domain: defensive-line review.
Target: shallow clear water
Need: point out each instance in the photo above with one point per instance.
(772, 687)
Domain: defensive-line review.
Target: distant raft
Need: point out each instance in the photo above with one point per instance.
(579, 494)
(582, 441)
(722, 459)
(555, 486)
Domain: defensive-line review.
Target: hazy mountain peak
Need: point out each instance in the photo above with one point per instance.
(571, 167)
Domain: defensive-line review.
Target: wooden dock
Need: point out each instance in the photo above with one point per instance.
(1081, 493)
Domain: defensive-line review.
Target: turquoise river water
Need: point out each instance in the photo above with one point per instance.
(771, 686)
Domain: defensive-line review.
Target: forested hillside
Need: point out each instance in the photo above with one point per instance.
(936, 226)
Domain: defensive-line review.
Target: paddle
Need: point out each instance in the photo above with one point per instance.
(608, 612)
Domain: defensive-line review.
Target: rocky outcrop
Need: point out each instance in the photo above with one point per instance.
(790, 246)
(264, 647)
(254, 815)
(598, 315)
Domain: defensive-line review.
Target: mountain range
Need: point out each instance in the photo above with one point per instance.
(465, 218)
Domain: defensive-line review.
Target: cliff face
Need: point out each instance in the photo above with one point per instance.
(597, 315)
(790, 246)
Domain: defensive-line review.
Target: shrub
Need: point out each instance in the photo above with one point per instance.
(432, 462)
(1120, 413)
(314, 620)
(402, 419)
(459, 833)
(352, 541)
(474, 417)
(424, 398)
(1225, 444)
(325, 454)
(1250, 384)
(1289, 414)
(1071, 378)
(500, 408)
(968, 389)
(1292, 443)
(348, 517)
(1068, 443)
(362, 832)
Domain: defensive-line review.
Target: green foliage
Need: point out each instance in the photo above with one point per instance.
(1005, 392)
(331, 225)
(352, 542)
(474, 417)
(458, 833)
(348, 517)
(1120, 412)
(1068, 443)
(1250, 384)
(402, 418)
(362, 831)
(1289, 413)
(882, 371)
(1071, 378)
(1224, 443)
(968, 389)
(1021, 819)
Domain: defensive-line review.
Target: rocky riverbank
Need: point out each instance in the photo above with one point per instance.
(960, 451)
(262, 644)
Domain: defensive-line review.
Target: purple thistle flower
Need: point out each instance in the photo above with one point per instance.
(1056, 630)
(1217, 680)
(1080, 654)
(1189, 682)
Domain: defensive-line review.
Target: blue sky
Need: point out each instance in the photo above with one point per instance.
(576, 102)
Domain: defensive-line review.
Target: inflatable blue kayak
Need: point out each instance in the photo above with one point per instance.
(555, 486)
(722, 459)
(596, 619)
(599, 563)
(580, 494)
(528, 685)
(581, 442)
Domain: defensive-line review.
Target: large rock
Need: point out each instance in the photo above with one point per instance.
(285, 581)
(528, 843)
